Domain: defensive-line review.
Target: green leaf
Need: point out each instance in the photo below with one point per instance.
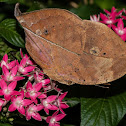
(72, 101)
(5, 124)
(8, 32)
(105, 4)
(103, 112)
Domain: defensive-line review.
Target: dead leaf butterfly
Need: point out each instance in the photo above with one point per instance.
(71, 50)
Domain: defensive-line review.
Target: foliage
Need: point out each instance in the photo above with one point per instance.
(97, 107)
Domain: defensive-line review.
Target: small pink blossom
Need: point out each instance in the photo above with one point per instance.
(1, 103)
(32, 111)
(53, 120)
(38, 76)
(45, 82)
(26, 65)
(120, 30)
(22, 68)
(61, 105)
(113, 12)
(28, 61)
(8, 90)
(108, 20)
(18, 103)
(32, 90)
(95, 18)
(4, 62)
(12, 75)
(48, 103)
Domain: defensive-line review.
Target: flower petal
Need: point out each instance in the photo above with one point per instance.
(37, 87)
(107, 12)
(3, 84)
(14, 71)
(120, 24)
(64, 105)
(42, 96)
(36, 116)
(21, 53)
(28, 69)
(23, 61)
(46, 110)
(28, 117)
(45, 81)
(39, 107)
(26, 102)
(5, 58)
(61, 97)
(15, 93)
(48, 119)
(59, 117)
(52, 107)
(29, 85)
(51, 98)
(7, 97)
(1, 92)
(5, 71)
(12, 64)
(21, 110)
(12, 108)
(103, 17)
(12, 85)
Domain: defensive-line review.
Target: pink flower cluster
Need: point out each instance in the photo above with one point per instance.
(33, 96)
(113, 20)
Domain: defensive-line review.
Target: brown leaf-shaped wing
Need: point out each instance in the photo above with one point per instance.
(71, 50)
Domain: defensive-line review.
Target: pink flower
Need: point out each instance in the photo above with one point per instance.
(25, 65)
(10, 76)
(32, 111)
(60, 103)
(32, 91)
(1, 103)
(4, 62)
(113, 12)
(48, 103)
(28, 61)
(124, 17)
(95, 18)
(23, 68)
(45, 82)
(40, 78)
(8, 90)
(53, 120)
(120, 30)
(109, 20)
(19, 103)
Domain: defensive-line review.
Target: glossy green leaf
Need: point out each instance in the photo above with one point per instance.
(8, 32)
(103, 112)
